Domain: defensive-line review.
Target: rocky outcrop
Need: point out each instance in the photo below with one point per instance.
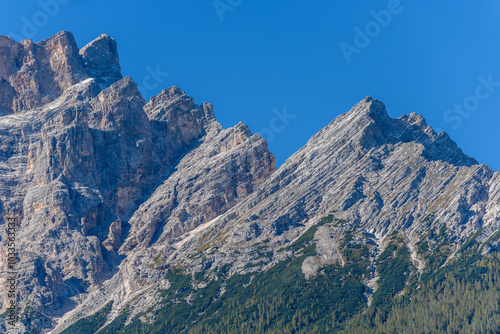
(101, 61)
(209, 180)
(34, 74)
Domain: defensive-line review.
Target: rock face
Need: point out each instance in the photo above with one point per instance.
(101, 61)
(110, 191)
(83, 157)
(376, 174)
(34, 74)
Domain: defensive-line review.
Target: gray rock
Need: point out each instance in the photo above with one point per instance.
(101, 60)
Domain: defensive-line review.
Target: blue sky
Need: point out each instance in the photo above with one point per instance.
(287, 68)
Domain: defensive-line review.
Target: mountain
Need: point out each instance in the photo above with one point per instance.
(137, 216)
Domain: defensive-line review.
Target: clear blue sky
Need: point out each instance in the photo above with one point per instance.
(249, 58)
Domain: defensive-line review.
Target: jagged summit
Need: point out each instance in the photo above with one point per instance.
(62, 36)
(369, 106)
(34, 74)
(101, 60)
(368, 126)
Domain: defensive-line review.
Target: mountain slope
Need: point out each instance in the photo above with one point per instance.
(150, 217)
(385, 202)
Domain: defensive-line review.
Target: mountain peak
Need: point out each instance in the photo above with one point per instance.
(102, 61)
(173, 108)
(368, 126)
(61, 36)
(369, 107)
(24, 64)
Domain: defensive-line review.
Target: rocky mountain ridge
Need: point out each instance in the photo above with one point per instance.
(112, 194)
(84, 152)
